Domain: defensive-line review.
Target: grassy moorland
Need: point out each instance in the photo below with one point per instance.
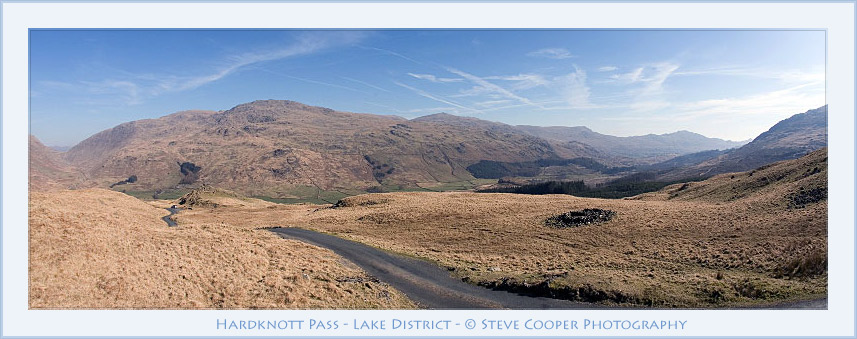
(315, 195)
(740, 239)
(749, 238)
(97, 248)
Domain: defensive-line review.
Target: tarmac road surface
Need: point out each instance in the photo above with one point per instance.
(169, 218)
(425, 283)
(433, 287)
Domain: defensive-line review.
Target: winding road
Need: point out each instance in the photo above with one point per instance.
(425, 283)
(432, 287)
(169, 218)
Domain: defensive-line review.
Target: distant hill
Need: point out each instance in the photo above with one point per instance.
(789, 139)
(682, 161)
(792, 183)
(652, 146)
(48, 170)
(285, 149)
(60, 148)
(270, 147)
(566, 150)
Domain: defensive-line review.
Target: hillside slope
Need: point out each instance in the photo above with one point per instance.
(734, 239)
(48, 170)
(284, 149)
(101, 249)
(789, 139)
(787, 184)
(643, 147)
(658, 252)
(270, 147)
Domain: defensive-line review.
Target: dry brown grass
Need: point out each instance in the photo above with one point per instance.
(210, 196)
(101, 249)
(48, 170)
(771, 186)
(663, 253)
(728, 241)
(701, 250)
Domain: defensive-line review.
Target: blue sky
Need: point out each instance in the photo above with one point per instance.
(726, 84)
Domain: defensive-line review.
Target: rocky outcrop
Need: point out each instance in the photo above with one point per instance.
(587, 216)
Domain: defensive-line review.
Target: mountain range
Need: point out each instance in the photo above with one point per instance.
(652, 147)
(274, 147)
(49, 170)
(788, 139)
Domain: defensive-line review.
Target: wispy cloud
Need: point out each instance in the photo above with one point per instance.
(491, 103)
(656, 75)
(102, 92)
(522, 81)
(574, 89)
(629, 77)
(389, 52)
(306, 44)
(490, 87)
(541, 103)
(722, 70)
(785, 101)
(366, 84)
(435, 79)
(128, 88)
(476, 91)
(607, 68)
(800, 76)
(127, 91)
(647, 83)
(317, 82)
(435, 97)
(794, 75)
(552, 53)
(648, 105)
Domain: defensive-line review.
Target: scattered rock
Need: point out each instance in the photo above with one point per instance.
(358, 279)
(281, 172)
(544, 288)
(804, 197)
(201, 196)
(281, 152)
(580, 218)
(359, 200)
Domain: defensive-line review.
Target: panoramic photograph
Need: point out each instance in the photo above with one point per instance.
(427, 169)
